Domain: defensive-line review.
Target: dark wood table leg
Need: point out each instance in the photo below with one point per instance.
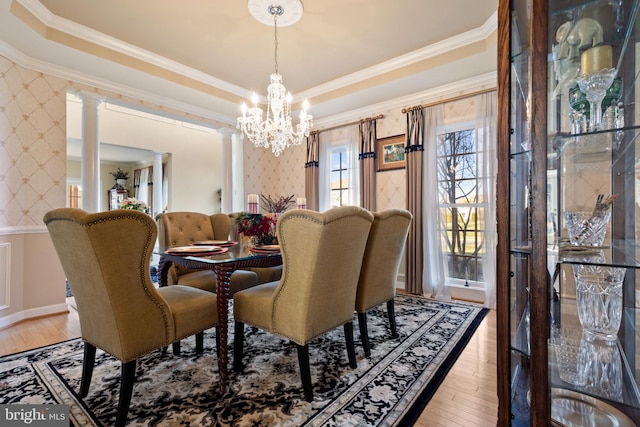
(163, 271)
(223, 277)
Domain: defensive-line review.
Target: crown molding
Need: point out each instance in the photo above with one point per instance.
(440, 93)
(224, 121)
(472, 36)
(64, 25)
(67, 74)
(84, 33)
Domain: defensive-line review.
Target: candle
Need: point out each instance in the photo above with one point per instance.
(254, 203)
(596, 59)
(301, 203)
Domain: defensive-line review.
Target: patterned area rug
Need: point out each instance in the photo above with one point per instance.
(388, 389)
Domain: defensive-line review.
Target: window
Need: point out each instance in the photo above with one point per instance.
(74, 193)
(340, 186)
(339, 172)
(462, 211)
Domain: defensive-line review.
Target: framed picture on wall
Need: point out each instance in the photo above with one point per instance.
(390, 153)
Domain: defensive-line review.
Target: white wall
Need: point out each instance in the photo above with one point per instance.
(195, 172)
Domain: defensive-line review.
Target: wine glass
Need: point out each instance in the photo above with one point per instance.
(595, 86)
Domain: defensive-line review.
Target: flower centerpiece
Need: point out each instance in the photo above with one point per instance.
(260, 228)
(278, 205)
(133, 204)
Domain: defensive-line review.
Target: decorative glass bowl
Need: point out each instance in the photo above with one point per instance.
(587, 228)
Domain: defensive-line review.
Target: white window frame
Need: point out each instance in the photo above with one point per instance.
(454, 281)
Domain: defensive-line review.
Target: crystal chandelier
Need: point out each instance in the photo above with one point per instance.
(276, 130)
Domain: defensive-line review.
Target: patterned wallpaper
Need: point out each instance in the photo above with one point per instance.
(32, 144)
(284, 175)
(275, 176)
(391, 185)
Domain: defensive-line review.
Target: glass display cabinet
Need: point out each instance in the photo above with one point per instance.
(568, 213)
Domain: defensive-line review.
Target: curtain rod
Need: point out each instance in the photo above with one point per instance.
(455, 98)
(368, 119)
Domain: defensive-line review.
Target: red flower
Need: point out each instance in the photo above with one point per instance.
(256, 225)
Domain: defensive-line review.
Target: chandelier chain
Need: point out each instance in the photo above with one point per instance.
(275, 32)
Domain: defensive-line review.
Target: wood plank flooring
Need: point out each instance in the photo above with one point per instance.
(467, 397)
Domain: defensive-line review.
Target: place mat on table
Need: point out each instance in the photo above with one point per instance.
(221, 243)
(265, 249)
(196, 250)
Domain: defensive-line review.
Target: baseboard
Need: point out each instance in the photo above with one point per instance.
(31, 313)
(467, 293)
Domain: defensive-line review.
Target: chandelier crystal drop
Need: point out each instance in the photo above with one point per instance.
(276, 130)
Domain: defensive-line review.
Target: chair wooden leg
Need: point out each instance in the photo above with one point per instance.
(391, 312)
(238, 344)
(87, 368)
(128, 377)
(351, 350)
(199, 342)
(364, 334)
(176, 348)
(305, 371)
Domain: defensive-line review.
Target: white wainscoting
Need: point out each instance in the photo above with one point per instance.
(32, 282)
(5, 275)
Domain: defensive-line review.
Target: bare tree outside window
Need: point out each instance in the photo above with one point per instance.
(461, 212)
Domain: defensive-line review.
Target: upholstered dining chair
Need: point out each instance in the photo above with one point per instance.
(322, 254)
(106, 258)
(185, 228)
(265, 274)
(382, 257)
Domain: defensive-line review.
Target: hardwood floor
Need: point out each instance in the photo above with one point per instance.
(467, 397)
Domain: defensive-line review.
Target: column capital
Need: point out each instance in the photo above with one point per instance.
(227, 131)
(89, 96)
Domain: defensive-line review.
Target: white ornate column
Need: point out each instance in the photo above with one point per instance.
(158, 203)
(227, 171)
(237, 173)
(90, 164)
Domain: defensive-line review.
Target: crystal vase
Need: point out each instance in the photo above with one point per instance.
(587, 228)
(601, 368)
(599, 297)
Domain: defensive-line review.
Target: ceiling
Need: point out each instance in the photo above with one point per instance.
(207, 56)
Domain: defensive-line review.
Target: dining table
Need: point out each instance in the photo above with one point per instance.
(232, 256)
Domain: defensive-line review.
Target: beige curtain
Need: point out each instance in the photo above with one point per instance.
(414, 153)
(311, 176)
(137, 175)
(143, 185)
(367, 157)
